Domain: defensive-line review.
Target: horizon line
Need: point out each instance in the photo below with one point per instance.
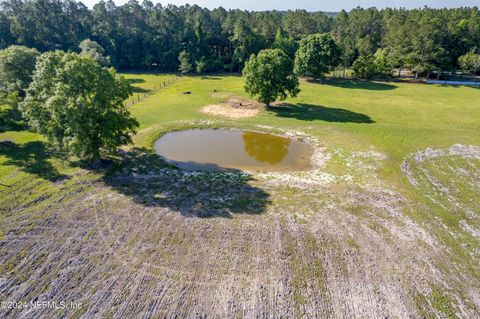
(123, 2)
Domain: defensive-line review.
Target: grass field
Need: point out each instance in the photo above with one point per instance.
(387, 224)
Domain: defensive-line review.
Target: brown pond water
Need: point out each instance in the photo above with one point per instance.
(208, 150)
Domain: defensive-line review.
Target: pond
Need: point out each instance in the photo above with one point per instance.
(208, 150)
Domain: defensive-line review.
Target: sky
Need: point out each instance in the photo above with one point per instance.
(310, 5)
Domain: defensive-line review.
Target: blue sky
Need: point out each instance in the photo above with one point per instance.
(312, 5)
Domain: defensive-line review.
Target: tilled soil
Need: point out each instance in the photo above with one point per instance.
(207, 245)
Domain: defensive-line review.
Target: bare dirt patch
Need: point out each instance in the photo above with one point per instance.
(234, 107)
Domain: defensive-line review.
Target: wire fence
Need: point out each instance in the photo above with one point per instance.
(138, 97)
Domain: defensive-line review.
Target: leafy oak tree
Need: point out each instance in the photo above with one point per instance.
(17, 64)
(470, 61)
(318, 53)
(78, 105)
(269, 76)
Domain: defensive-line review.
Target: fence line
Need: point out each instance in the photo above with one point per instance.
(135, 98)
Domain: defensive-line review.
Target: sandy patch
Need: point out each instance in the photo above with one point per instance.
(450, 178)
(465, 151)
(234, 107)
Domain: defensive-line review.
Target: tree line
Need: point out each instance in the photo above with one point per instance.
(164, 38)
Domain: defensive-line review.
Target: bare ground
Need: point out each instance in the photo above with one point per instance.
(234, 107)
(164, 244)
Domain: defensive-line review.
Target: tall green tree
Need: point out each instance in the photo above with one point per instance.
(185, 65)
(94, 50)
(397, 37)
(269, 76)
(425, 53)
(48, 24)
(317, 54)
(201, 65)
(6, 37)
(470, 62)
(366, 26)
(383, 65)
(364, 67)
(299, 23)
(345, 40)
(131, 32)
(370, 66)
(245, 42)
(286, 43)
(78, 105)
(104, 30)
(17, 64)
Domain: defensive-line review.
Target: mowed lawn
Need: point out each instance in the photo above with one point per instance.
(385, 228)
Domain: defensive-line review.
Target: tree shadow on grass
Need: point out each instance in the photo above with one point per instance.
(356, 84)
(149, 181)
(311, 112)
(457, 86)
(210, 77)
(136, 89)
(135, 80)
(11, 120)
(31, 158)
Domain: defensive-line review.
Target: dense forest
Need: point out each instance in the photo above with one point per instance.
(151, 36)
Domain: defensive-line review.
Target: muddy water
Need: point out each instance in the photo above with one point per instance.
(226, 149)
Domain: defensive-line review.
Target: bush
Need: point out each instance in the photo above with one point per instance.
(470, 62)
(383, 67)
(184, 60)
(364, 67)
(201, 65)
(370, 66)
